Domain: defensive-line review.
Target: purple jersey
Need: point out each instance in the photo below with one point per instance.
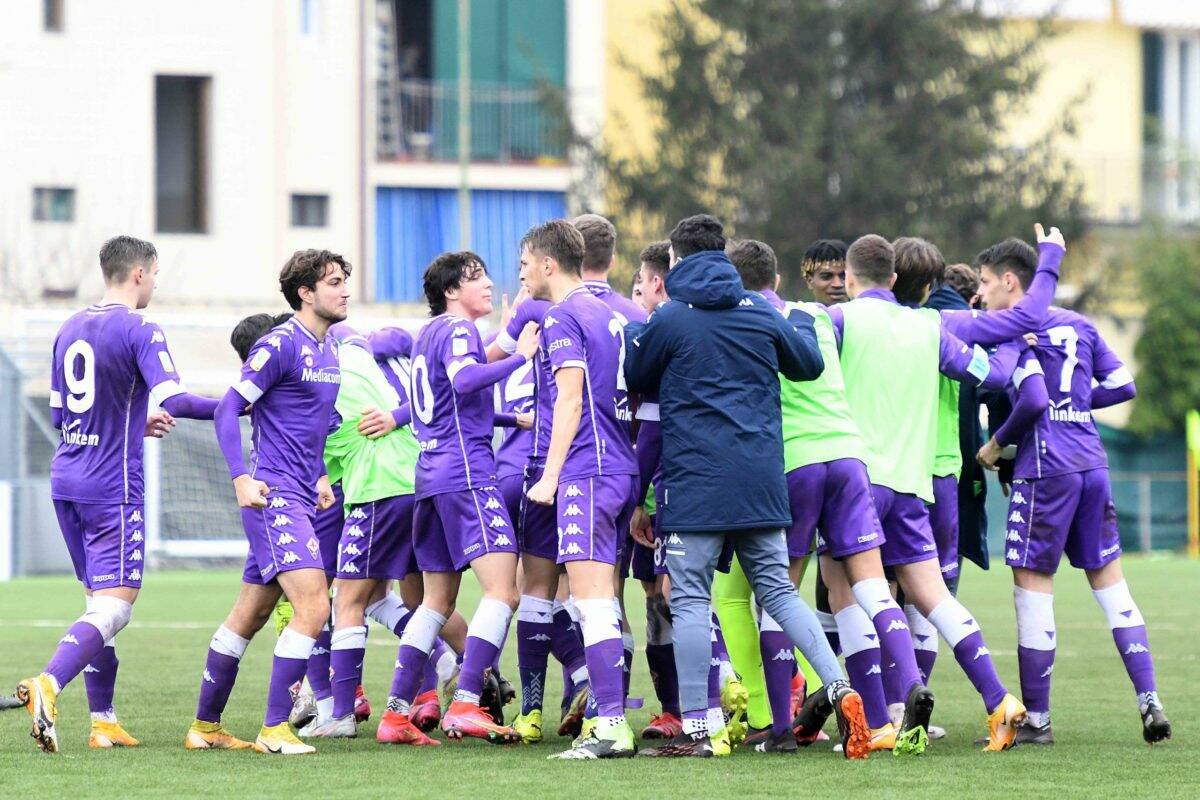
(110, 364)
(581, 331)
(626, 311)
(1071, 354)
(392, 348)
(454, 431)
(515, 395)
(292, 379)
(537, 439)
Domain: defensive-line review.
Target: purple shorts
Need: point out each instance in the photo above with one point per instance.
(512, 489)
(905, 521)
(453, 528)
(593, 517)
(377, 540)
(1072, 514)
(537, 525)
(328, 527)
(281, 537)
(645, 563)
(106, 542)
(831, 504)
(943, 519)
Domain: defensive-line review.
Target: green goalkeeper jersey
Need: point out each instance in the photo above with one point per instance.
(369, 469)
(817, 424)
(948, 457)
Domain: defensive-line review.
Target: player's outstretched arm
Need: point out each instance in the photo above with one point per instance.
(796, 346)
(190, 406)
(994, 327)
(471, 376)
(968, 364)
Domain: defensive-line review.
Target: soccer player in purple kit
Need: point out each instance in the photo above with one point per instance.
(590, 466)
(1061, 498)
(291, 379)
(460, 519)
(109, 366)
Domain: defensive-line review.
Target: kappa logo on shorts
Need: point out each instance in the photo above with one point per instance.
(349, 568)
(136, 555)
(1018, 499)
(1017, 517)
(277, 502)
(472, 549)
(497, 522)
(573, 491)
(572, 530)
(357, 513)
(784, 655)
(136, 516)
(280, 521)
(503, 541)
(285, 538)
(868, 537)
(135, 574)
(314, 546)
(928, 548)
(355, 532)
(352, 550)
(1013, 535)
(136, 536)
(492, 504)
(572, 549)
(573, 511)
(1012, 555)
(1108, 551)
(290, 558)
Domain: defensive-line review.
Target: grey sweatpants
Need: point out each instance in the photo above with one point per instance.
(691, 561)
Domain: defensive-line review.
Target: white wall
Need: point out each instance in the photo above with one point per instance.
(79, 112)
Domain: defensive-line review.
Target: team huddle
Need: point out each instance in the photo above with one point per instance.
(705, 437)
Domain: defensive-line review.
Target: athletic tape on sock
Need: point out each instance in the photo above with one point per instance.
(349, 638)
(535, 609)
(490, 621)
(953, 621)
(1118, 606)
(228, 643)
(855, 630)
(598, 621)
(108, 615)
(873, 595)
(388, 612)
(423, 628)
(1035, 619)
(292, 644)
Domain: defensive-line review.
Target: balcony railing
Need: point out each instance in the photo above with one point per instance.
(509, 124)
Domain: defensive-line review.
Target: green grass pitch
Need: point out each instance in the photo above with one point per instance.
(1099, 752)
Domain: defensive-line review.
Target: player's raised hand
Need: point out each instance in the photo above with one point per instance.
(527, 344)
(376, 423)
(250, 493)
(325, 496)
(1055, 236)
(159, 424)
(525, 421)
(641, 529)
(544, 491)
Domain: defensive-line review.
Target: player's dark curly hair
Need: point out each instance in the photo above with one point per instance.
(1012, 255)
(304, 269)
(820, 253)
(448, 272)
(697, 233)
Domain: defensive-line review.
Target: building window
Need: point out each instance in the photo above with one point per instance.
(54, 15)
(308, 17)
(310, 210)
(181, 153)
(53, 204)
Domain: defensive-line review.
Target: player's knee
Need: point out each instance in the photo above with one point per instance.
(108, 614)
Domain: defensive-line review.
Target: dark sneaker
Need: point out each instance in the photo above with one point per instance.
(815, 710)
(1155, 725)
(772, 743)
(912, 734)
(685, 745)
(491, 699)
(755, 736)
(1029, 733)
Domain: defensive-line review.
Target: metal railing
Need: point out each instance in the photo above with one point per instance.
(508, 124)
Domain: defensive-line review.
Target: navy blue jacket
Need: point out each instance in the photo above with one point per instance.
(713, 353)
